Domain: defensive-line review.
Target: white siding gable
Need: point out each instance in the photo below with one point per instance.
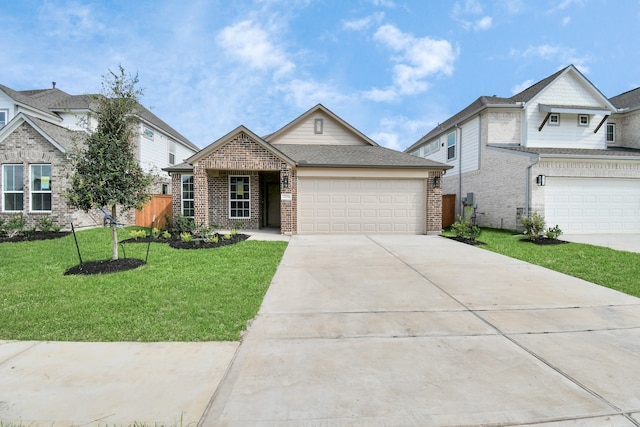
(6, 105)
(307, 132)
(467, 148)
(154, 151)
(566, 90)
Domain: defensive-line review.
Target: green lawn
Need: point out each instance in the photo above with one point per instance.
(180, 295)
(607, 267)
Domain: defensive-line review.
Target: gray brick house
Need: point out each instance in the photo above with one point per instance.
(317, 174)
(559, 148)
(38, 128)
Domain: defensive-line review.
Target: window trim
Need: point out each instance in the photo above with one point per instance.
(318, 126)
(243, 200)
(550, 122)
(454, 145)
(4, 186)
(6, 117)
(183, 199)
(172, 152)
(613, 133)
(32, 191)
(580, 116)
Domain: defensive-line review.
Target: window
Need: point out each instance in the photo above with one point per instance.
(435, 146)
(554, 119)
(12, 188)
(583, 120)
(40, 187)
(165, 188)
(416, 153)
(239, 197)
(4, 116)
(148, 133)
(611, 132)
(451, 146)
(318, 125)
(172, 153)
(188, 209)
(427, 150)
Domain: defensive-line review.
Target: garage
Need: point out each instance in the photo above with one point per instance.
(593, 205)
(356, 205)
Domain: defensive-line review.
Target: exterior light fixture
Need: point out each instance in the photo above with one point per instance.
(436, 182)
(285, 181)
(541, 180)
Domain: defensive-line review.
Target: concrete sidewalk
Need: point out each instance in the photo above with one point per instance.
(424, 331)
(619, 242)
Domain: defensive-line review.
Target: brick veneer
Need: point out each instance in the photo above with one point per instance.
(434, 203)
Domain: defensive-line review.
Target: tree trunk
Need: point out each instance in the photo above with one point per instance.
(114, 235)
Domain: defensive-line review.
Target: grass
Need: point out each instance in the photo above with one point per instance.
(614, 269)
(179, 295)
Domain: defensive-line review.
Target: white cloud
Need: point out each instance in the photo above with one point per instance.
(468, 7)
(522, 86)
(70, 21)
(565, 5)
(416, 59)
(483, 23)
(307, 93)
(465, 14)
(566, 20)
(384, 3)
(364, 23)
(563, 55)
(252, 45)
(387, 139)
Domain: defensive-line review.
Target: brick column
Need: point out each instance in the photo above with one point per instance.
(434, 204)
(201, 195)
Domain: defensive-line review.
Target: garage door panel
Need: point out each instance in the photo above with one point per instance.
(361, 205)
(593, 205)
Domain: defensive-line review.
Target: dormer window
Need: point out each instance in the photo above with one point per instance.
(554, 120)
(583, 120)
(317, 126)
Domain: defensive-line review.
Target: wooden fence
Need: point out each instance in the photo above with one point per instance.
(159, 205)
(448, 210)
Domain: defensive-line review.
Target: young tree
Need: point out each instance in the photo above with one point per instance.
(106, 172)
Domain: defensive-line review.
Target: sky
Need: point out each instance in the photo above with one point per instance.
(393, 69)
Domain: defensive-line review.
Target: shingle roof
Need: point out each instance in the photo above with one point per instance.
(575, 152)
(360, 156)
(63, 136)
(630, 99)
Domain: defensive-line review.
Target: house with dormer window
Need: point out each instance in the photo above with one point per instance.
(559, 148)
(38, 128)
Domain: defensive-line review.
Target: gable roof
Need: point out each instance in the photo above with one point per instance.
(322, 108)
(629, 100)
(60, 137)
(518, 100)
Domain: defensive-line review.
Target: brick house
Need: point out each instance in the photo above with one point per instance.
(559, 148)
(317, 174)
(38, 128)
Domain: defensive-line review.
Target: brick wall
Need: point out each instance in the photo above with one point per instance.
(433, 204)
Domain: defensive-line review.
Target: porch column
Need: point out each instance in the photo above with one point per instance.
(434, 203)
(201, 195)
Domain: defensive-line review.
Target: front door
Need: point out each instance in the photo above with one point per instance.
(273, 204)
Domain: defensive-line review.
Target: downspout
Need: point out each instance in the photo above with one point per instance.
(527, 200)
(459, 153)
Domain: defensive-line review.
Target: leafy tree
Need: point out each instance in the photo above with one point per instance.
(106, 172)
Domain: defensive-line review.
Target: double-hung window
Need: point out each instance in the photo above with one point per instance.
(188, 209)
(239, 197)
(4, 116)
(12, 188)
(451, 146)
(611, 132)
(40, 188)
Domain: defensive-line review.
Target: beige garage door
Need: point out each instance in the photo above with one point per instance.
(329, 205)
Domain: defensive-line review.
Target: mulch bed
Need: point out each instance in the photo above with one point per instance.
(543, 241)
(194, 244)
(105, 266)
(472, 242)
(38, 235)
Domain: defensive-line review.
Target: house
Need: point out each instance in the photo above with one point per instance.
(38, 128)
(559, 148)
(317, 174)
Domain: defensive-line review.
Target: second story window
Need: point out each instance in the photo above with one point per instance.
(611, 132)
(172, 153)
(451, 146)
(554, 120)
(4, 116)
(583, 120)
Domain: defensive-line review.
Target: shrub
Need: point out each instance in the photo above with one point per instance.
(45, 224)
(138, 234)
(213, 239)
(227, 236)
(553, 233)
(463, 229)
(533, 225)
(155, 232)
(56, 228)
(186, 237)
(14, 226)
(184, 224)
(166, 234)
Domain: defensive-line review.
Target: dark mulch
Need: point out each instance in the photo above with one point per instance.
(543, 241)
(38, 235)
(472, 242)
(105, 266)
(194, 244)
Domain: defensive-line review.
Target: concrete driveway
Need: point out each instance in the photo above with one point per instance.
(424, 331)
(363, 331)
(619, 242)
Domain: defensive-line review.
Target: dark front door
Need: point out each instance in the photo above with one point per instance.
(273, 204)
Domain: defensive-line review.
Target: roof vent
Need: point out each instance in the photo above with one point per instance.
(53, 84)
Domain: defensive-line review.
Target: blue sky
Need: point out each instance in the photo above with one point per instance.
(391, 68)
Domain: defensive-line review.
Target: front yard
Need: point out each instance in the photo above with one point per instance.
(180, 295)
(607, 267)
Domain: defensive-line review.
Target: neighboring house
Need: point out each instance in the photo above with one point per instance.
(317, 174)
(38, 128)
(559, 148)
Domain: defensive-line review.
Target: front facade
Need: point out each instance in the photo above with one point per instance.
(39, 128)
(559, 148)
(315, 175)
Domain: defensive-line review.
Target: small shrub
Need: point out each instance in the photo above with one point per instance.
(138, 234)
(233, 232)
(553, 233)
(463, 229)
(227, 236)
(56, 228)
(186, 237)
(28, 231)
(166, 235)
(533, 225)
(14, 226)
(169, 222)
(44, 223)
(184, 224)
(213, 239)
(155, 232)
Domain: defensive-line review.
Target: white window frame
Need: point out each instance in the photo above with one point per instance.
(611, 126)
(5, 119)
(172, 152)
(583, 116)
(553, 122)
(5, 175)
(246, 201)
(435, 146)
(184, 199)
(33, 191)
(450, 145)
(426, 150)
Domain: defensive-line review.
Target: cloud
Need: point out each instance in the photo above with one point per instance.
(566, 20)
(399, 132)
(387, 139)
(565, 5)
(384, 3)
(364, 23)
(466, 12)
(522, 86)
(70, 21)
(563, 55)
(306, 93)
(483, 23)
(416, 59)
(248, 43)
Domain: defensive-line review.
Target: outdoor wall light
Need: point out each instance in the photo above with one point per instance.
(541, 180)
(436, 182)
(285, 181)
